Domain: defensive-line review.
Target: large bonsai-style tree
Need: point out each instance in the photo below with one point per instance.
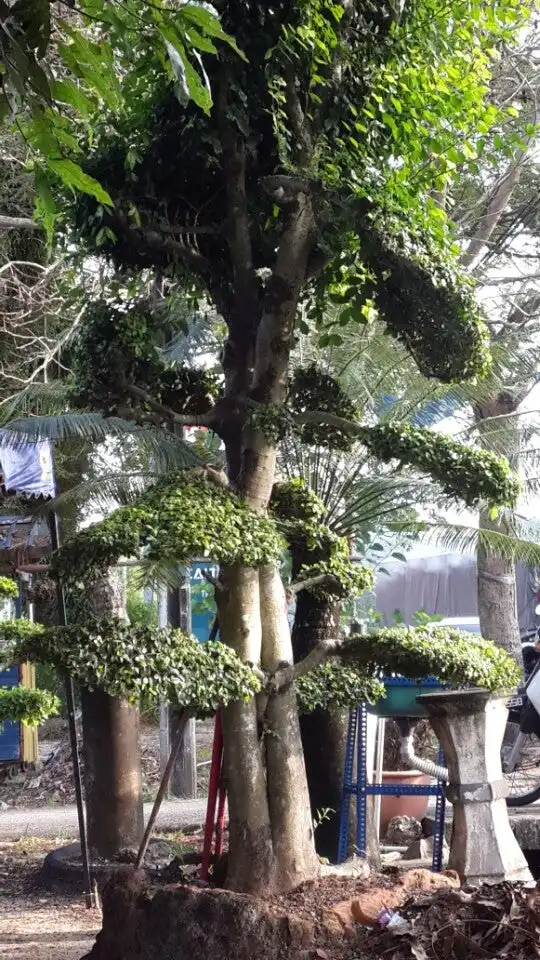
(309, 177)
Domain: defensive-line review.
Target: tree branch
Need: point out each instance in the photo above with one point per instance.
(141, 238)
(243, 317)
(495, 209)
(284, 187)
(18, 223)
(174, 228)
(281, 301)
(496, 281)
(320, 579)
(297, 120)
(330, 419)
(289, 672)
(213, 581)
(186, 420)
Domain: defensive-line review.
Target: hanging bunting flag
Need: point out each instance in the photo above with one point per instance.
(27, 468)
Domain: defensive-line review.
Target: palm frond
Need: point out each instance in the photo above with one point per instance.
(462, 538)
(377, 502)
(371, 366)
(35, 398)
(199, 337)
(105, 492)
(167, 450)
(152, 573)
(359, 498)
(68, 426)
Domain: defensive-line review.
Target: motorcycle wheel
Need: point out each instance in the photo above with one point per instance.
(524, 781)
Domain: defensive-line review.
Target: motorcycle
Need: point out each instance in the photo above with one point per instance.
(521, 746)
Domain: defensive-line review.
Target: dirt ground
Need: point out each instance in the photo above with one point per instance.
(52, 784)
(490, 922)
(36, 924)
(40, 924)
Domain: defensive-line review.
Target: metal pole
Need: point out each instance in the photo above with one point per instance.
(70, 703)
(381, 729)
(164, 720)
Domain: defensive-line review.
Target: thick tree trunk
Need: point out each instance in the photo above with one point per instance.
(112, 774)
(497, 603)
(271, 846)
(112, 768)
(496, 580)
(251, 856)
(288, 796)
(324, 732)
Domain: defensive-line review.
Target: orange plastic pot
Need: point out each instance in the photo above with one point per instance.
(403, 805)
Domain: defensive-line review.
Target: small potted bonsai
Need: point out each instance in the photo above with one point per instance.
(421, 654)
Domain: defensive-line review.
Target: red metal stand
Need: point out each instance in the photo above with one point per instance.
(216, 797)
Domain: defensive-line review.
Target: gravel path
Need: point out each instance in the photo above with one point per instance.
(62, 821)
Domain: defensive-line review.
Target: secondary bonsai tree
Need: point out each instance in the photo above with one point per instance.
(310, 176)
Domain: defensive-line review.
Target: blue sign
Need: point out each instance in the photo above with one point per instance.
(203, 607)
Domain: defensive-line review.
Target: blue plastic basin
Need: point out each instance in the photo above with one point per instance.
(401, 694)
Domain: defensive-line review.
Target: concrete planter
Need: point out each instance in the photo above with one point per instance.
(470, 727)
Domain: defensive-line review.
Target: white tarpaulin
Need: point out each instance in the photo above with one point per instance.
(27, 467)
(445, 585)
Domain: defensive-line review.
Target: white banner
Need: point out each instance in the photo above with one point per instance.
(28, 468)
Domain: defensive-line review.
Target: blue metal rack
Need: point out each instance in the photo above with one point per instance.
(10, 732)
(361, 789)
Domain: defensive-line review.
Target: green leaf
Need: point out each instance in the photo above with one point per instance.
(65, 91)
(391, 123)
(199, 42)
(45, 210)
(209, 24)
(93, 62)
(178, 63)
(189, 83)
(74, 176)
(31, 707)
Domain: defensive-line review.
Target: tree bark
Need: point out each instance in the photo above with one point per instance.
(496, 576)
(112, 774)
(497, 602)
(288, 796)
(18, 223)
(251, 856)
(484, 228)
(112, 768)
(324, 732)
